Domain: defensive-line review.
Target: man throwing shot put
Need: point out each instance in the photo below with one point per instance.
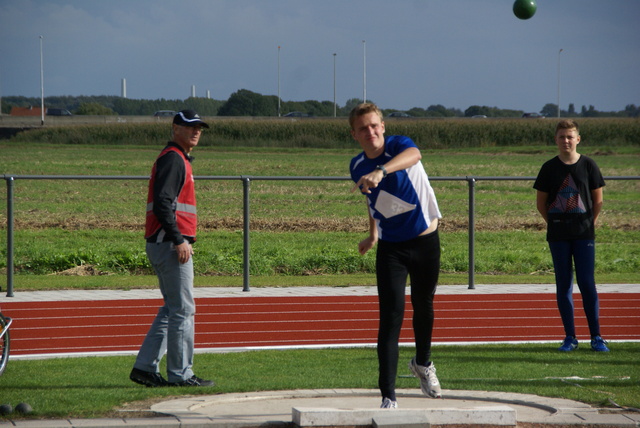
(403, 221)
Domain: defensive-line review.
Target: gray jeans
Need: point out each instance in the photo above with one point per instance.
(172, 331)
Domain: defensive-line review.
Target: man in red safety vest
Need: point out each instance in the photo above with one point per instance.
(170, 232)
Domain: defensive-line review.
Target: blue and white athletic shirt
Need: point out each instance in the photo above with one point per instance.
(404, 203)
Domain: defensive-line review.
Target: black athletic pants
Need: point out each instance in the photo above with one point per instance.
(419, 258)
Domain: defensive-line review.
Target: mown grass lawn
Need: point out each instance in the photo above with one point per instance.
(298, 227)
(98, 386)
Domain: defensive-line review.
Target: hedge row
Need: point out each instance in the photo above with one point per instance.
(334, 133)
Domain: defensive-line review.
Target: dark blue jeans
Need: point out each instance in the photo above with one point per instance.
(418, 258)
(582, 254)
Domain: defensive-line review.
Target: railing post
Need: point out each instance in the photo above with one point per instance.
(246, 181)
(472, 231)
(9, 236)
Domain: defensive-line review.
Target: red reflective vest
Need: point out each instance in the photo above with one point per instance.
(184, 207)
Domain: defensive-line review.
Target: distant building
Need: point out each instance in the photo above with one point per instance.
(35, 111)
(26, 111)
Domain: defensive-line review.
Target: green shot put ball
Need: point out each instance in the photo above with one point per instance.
(524, 9)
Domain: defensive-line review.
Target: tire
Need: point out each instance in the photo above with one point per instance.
(4, 344)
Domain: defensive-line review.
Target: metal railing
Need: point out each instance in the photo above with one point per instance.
(246, 184)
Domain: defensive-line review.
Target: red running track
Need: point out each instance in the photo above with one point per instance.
(119, 326)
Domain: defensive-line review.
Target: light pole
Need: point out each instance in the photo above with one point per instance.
(334, 85)
(364, 71)
(559, 52)
(41, 86)
(278, 81)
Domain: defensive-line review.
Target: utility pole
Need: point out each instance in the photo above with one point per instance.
(41, 85)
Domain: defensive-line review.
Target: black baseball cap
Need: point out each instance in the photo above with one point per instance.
(188, 118)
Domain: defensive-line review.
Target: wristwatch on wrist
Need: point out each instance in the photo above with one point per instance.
(383, 169)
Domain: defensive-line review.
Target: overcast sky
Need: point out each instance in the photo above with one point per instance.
(456, 53)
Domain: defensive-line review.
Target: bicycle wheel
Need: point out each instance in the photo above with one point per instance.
(4, 344)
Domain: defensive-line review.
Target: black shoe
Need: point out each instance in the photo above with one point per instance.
(148, 379)
(193, 381)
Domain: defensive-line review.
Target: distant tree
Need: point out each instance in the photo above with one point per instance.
(476, 111)
(632, 111)
(311, 107)
(455, 112)
(549, 110)
(491, 112)
(591, 112)
(417, 112)
(129, 107)
(204, 106)
(327, 107)
(508, 113)
(438, 111)
(572, 110)
(94, 109)
(247, 103)
(351, 103)
(6, 106)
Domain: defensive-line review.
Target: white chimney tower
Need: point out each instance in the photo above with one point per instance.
(123, 88)
(193, 91)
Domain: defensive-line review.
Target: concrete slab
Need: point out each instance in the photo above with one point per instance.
(496, 415)
(499, 415)
(309, 417)
(390, 420)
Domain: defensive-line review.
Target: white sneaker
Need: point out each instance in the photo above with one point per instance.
(428, 380)
(388, 404)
